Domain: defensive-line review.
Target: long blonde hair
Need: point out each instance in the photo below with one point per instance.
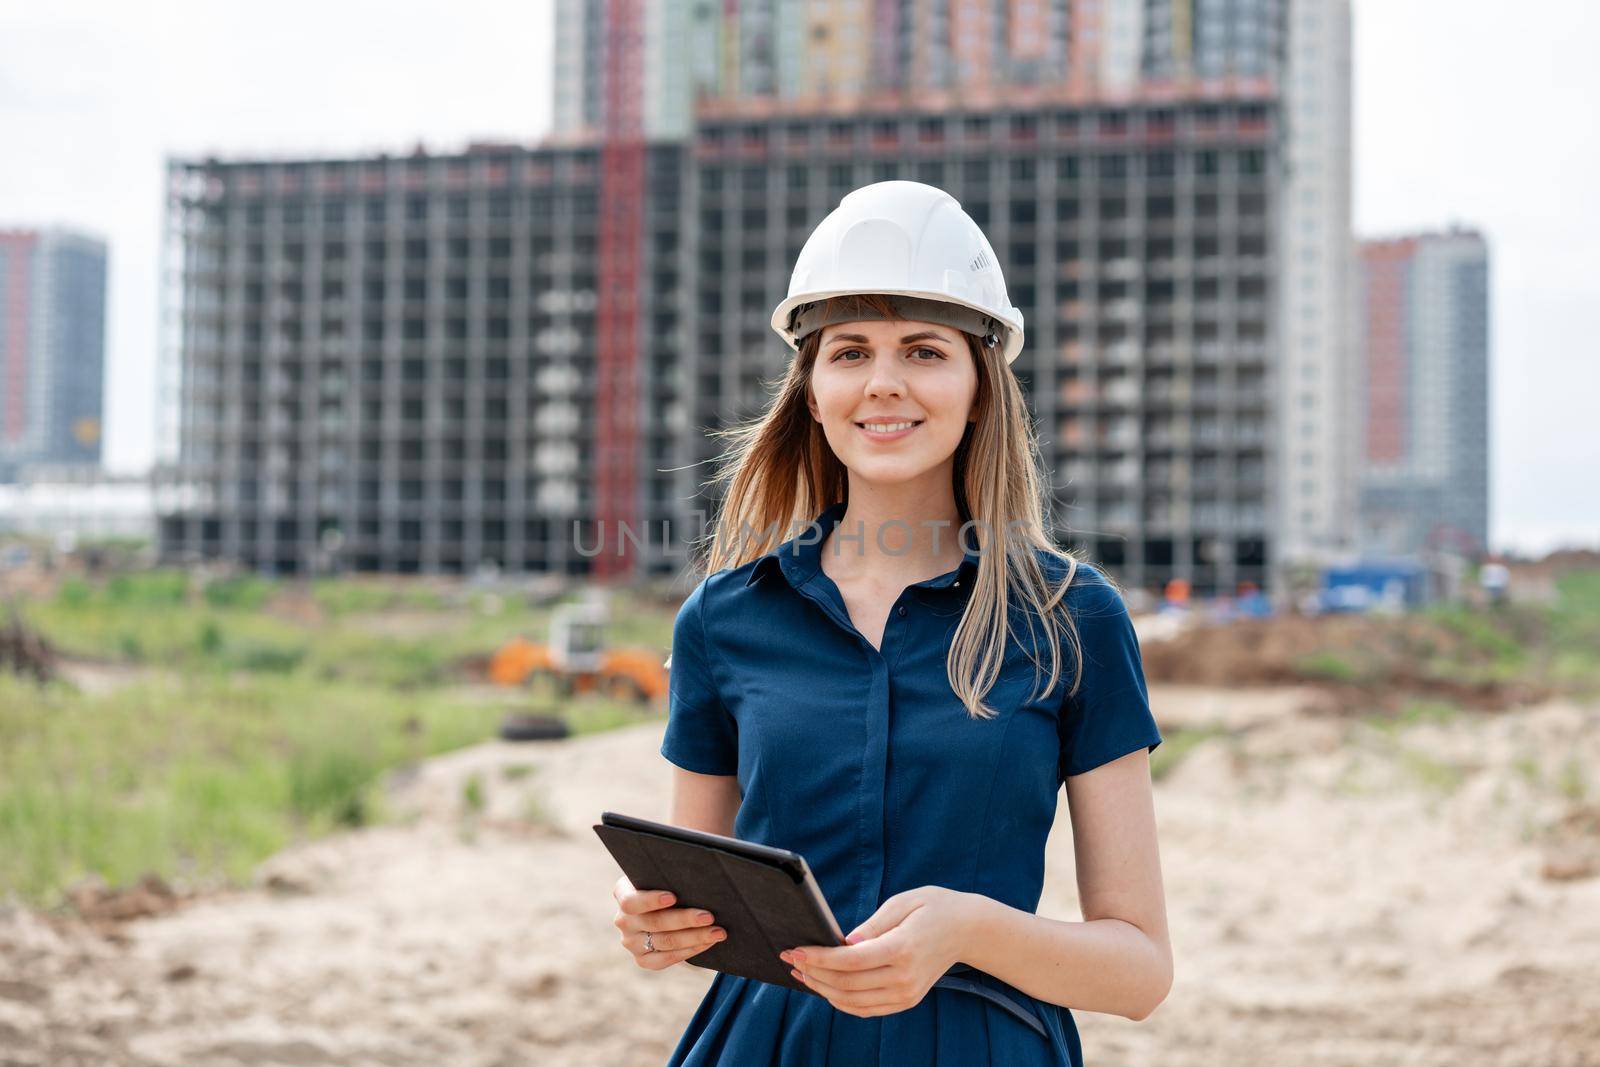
(780, 472)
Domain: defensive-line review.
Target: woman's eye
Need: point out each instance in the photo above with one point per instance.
(934, 352)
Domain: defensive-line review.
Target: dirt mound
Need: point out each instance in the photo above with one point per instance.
(1386, 661)
(105, 907)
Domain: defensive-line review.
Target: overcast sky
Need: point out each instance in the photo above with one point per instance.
(1462, 114)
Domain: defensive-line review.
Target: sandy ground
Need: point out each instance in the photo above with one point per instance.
(1337, 896)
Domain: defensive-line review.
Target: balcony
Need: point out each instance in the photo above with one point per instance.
(1121, 392)
(1120, 353)
(1078, 473)
(1165, 353)
(1171, 434)
(1125, 309)
(1119, 517)
(1123, 268)
(1120, 435)
(1123, 473)
(1167, 392)
(1077, 393)
(1247, 433)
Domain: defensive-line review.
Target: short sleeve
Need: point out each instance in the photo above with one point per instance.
(701, 734)
(1110, 715)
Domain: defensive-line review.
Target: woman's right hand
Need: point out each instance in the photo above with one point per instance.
(676, 933)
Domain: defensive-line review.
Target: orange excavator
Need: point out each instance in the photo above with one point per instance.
(577, 659)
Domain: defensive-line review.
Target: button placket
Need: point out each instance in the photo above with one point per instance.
(873, 784)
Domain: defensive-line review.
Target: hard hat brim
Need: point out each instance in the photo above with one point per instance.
(1012, 321)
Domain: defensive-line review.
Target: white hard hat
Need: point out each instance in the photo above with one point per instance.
(909, 240)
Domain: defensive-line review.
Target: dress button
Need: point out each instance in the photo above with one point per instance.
(902, 611)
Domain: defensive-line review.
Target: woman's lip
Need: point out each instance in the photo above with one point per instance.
(877, 435)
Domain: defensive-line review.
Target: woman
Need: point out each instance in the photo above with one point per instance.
(899, 690)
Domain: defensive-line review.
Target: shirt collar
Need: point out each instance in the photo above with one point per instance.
(800, 557)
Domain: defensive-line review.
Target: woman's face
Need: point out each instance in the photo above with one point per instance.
(871, 378)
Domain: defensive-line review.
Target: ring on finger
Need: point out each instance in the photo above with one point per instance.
(649, 945)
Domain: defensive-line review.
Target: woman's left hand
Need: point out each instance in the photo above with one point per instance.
(893, 958)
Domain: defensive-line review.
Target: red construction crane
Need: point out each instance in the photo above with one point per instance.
(621, 239)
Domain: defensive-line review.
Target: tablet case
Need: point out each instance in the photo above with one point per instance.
(757, 893)
(764, 897)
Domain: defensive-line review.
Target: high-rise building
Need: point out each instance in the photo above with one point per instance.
(52, 346)
(822, 55)
(432, 361)
(1424, 427)
(1316, 490)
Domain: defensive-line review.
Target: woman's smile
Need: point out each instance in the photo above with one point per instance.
(888, 431)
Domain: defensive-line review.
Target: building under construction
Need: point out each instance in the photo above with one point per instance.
(389, 363)
(427, 362)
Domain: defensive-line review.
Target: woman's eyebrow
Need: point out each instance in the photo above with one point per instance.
(925, 335)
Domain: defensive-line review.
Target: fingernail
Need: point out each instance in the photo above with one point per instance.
(719, 933)
(798, 976)
(703, 917)
(665, 898)
(784, 956)
(799, 955)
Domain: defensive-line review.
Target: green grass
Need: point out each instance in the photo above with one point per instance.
(1329, 666)
(247, 730)
(1574, 633)
(244, 593)
(1553, 645)
(199, 776)
(158, 619)
(350, 596)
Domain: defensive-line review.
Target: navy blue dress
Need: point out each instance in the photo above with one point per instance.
(865, 762)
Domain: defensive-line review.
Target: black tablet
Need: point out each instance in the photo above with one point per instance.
(765, 897)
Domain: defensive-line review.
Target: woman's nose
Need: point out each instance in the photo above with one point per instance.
(885, 381)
